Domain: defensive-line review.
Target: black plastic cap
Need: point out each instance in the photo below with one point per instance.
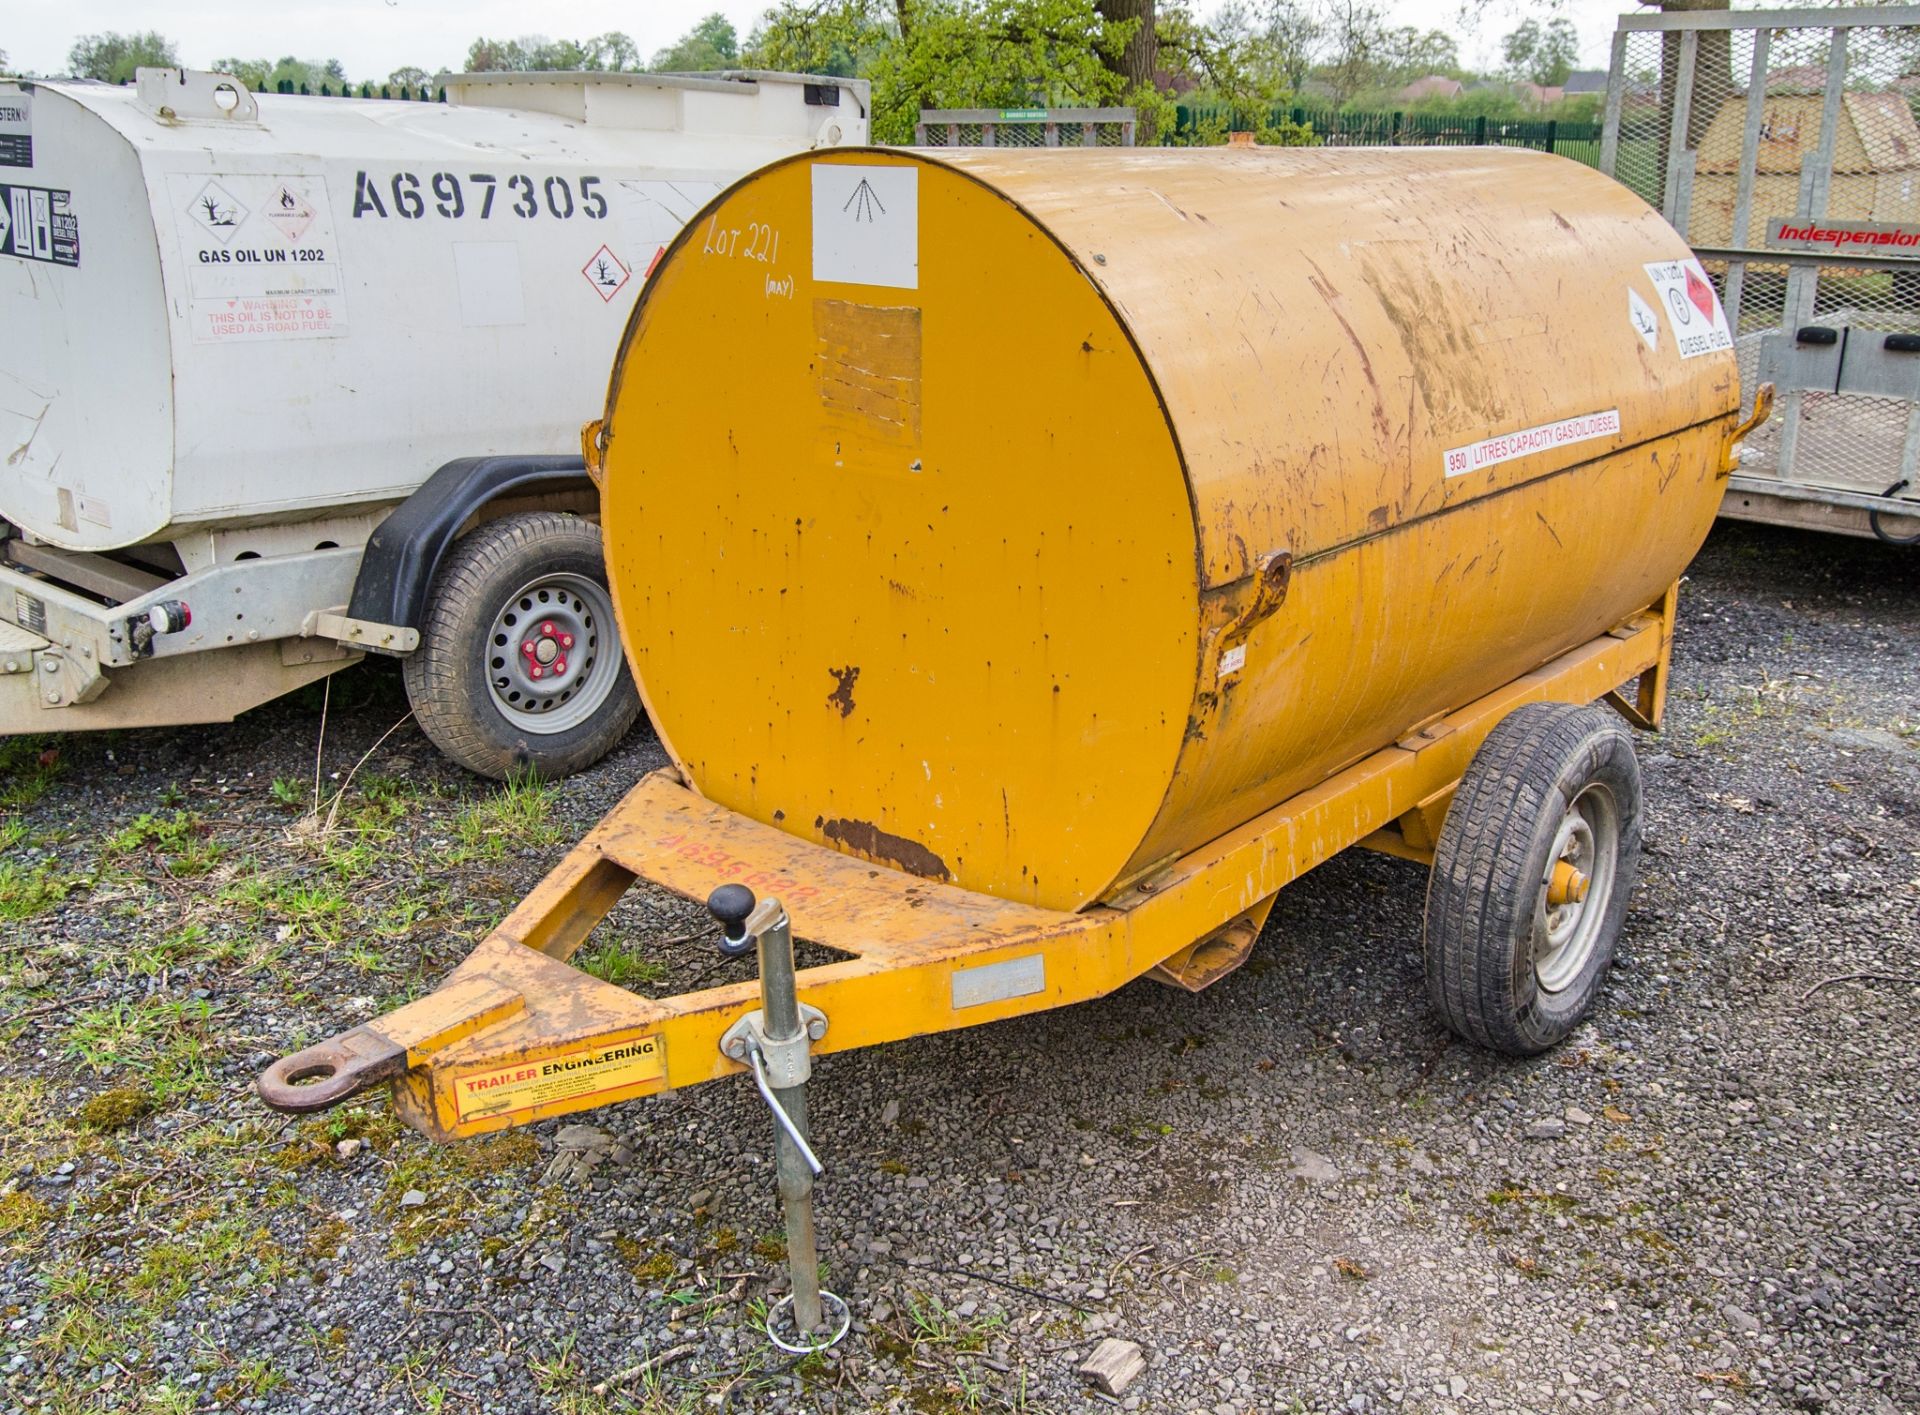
(730, 904)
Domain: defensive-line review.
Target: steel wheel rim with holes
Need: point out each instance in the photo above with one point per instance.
(551, 658)
(1570, 915)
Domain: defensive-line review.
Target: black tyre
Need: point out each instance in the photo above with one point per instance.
(519, 665)
(1531, 877)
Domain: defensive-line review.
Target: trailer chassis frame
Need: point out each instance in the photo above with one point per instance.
(516, 1034)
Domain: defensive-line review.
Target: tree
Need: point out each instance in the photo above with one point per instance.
(1291, 34)
(711, 44)
(949, 53)
(1358, 49)
(1542, 54)
(490, 55)
(1413, 54)
(1137, 60)
(251, 72)
(113, 57)
(612, 51)
(409, 76)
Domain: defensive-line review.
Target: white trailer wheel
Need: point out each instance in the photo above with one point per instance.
(519, 665)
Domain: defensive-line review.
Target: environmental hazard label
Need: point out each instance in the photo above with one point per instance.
(590, 1071)
(1492, 451)
(606, 272)
(261, 257)
(1692, 307)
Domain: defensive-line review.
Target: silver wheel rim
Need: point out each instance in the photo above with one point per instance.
(551, 657)
(1567, 929)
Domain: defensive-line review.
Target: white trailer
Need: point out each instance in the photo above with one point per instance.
(286, 380)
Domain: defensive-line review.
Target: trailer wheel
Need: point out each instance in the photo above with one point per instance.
(1531, 876)
(519, 665)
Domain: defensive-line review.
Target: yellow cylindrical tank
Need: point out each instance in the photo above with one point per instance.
(1028, 519)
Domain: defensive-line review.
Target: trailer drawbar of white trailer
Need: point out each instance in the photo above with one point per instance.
(288, 380)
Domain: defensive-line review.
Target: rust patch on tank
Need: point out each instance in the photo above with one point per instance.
(868, 362)
(867, 839)
(842, 695)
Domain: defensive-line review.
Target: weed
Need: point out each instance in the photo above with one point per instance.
(28, 768)
(116, 1109)
(646, 1267)
(182, 840)
(21, 1212)
(25, 892)
(163, 1039)
(288, 791)
(518, 816)
(615, 962)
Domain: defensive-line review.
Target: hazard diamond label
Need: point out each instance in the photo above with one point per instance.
(1691, 306)
(606, 273)
(217, 210)
(289, 212)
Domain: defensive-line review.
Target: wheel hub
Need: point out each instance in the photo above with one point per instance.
(546, 665)
(1576, 889)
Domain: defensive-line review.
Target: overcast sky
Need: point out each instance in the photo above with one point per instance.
(374, 37)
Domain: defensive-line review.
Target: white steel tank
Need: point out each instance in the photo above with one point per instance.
(224, 310)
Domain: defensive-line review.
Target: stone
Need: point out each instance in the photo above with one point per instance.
(1114, 1365)
(1577, 1116)
(412, 1199)
(1313, 1166)
(1552, 1128)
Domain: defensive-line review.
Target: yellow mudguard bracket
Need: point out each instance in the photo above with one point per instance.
(517, 1034)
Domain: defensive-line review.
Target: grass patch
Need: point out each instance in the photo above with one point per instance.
(28, 768)
(620, 964)
(182, 841)
(27, 891)
(164, 1040)
(116, 1109)
(518, 816)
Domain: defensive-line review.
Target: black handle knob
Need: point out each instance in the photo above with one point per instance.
(1816, 334)
(730, 904)
(1901, 343)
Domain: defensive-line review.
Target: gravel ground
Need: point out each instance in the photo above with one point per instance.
(1296, 1190)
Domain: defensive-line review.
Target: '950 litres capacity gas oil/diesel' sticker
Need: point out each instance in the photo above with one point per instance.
(590, 1071)
(261, 256)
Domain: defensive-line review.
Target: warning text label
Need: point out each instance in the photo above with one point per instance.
(590, 1071)
(1507, 446)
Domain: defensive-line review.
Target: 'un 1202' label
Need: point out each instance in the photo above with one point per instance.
(37, 223)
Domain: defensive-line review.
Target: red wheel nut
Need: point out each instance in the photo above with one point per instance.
(547, 628)
(559, 665)
(537, 670)
(566, 641)
(527, 648)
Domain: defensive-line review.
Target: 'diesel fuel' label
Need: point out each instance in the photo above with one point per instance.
(589, 1071)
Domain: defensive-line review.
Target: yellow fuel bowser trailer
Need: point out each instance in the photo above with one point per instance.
(1033, 561)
